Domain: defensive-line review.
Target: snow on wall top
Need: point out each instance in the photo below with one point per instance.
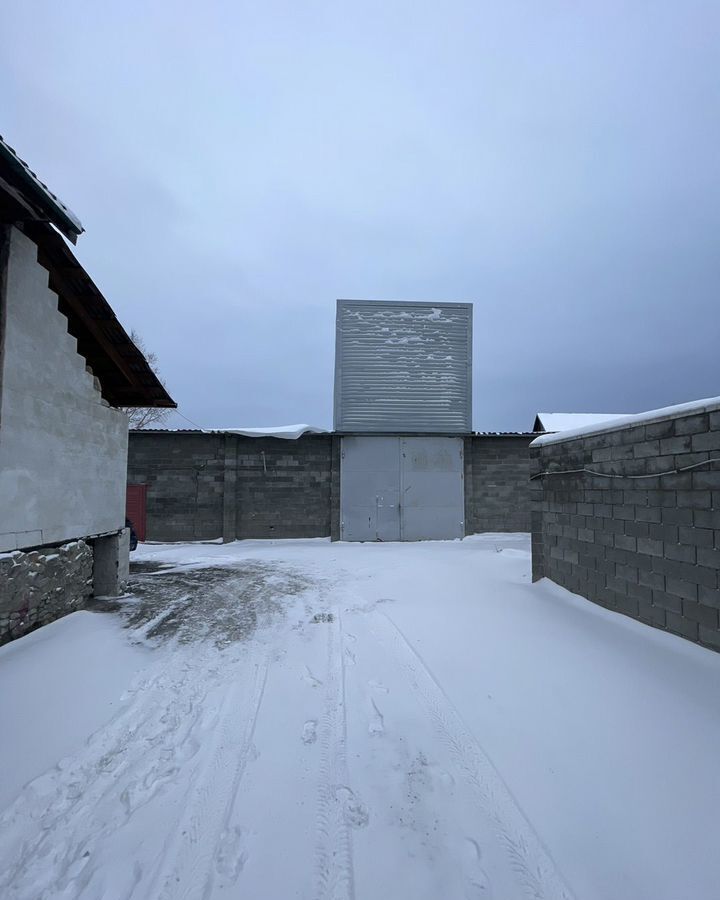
(567, 421)
(403, 366)
(711, 404)
(288, 432)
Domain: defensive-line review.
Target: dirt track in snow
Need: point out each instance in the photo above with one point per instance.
(284, 740)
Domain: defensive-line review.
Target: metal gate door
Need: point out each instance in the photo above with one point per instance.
(432, 489)
(370, 489)
(401, 489)
(136, 508)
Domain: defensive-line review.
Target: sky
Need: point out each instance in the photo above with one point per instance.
(239, 166)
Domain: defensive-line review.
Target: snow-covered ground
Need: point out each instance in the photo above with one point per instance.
(314, 720)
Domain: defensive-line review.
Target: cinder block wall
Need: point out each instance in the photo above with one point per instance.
(185, 475)
(283, 487)
(497, 471)
(64, 450)
(648, 547)
(206, 486)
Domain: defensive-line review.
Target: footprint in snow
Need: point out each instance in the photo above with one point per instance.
(230, 858)
(378, 686)
(309, 732)
(376, 724)
(311, 679)
(477, 883)
(354, 812)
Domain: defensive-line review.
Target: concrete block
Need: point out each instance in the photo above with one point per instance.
(109, 565)
(648, 514)
(709, 596)
(682, 552)
(666, 601)
(708, 441)
(655, 580)
(625, 542)
(651, 615)
(681, 626)
(694, 499)
(706, 480)
(706, 518)
(662, 429)
(698, 537)
(708, 557)
(676, 516)
(695, 424)
(650, 547)
(697, 612)
(710, 637)
(679, 444)
(684, 589)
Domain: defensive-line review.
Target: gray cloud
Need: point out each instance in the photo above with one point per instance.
(239, 167)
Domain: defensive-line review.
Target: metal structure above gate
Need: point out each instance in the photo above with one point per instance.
(403, 366)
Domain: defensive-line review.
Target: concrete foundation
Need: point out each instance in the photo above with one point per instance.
(111, 564)
(42, 585)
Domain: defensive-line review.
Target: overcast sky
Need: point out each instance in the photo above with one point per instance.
(238, 166)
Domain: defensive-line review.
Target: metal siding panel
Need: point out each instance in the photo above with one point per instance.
(394, 488)
(403, 367)
(433, 493)
(370, 489)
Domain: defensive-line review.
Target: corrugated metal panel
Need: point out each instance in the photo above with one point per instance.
(401, 488)
(403, 366)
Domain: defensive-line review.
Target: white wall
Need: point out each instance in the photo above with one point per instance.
(63, 450)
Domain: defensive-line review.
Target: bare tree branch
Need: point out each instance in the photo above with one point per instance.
(143, 417)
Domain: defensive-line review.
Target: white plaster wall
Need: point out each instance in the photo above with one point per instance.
(63, 450)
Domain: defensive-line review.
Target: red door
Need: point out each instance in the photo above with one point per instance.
(135, 508)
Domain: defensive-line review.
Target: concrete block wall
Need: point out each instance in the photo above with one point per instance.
(497, 473)
(206, 486)
(63, 450)
(185, 475)
(283, 487)
(632, 539)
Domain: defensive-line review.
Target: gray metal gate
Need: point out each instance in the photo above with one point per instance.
(401, 489)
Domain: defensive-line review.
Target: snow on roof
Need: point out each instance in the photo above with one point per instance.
(288, 432)
(10, 157)
(567, 421)
(710, 404)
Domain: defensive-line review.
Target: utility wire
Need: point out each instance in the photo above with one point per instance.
(677, 471)
(189, 420)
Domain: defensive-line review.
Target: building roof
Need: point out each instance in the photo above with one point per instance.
(693, 408)
(293, 432)
(125, 377)
(39, 203)
(566, 421)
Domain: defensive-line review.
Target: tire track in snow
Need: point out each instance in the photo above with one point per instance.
(527, 856)
(73, 807)
(338, 809)
(202, 845)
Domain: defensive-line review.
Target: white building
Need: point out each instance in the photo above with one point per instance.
(66, 368)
